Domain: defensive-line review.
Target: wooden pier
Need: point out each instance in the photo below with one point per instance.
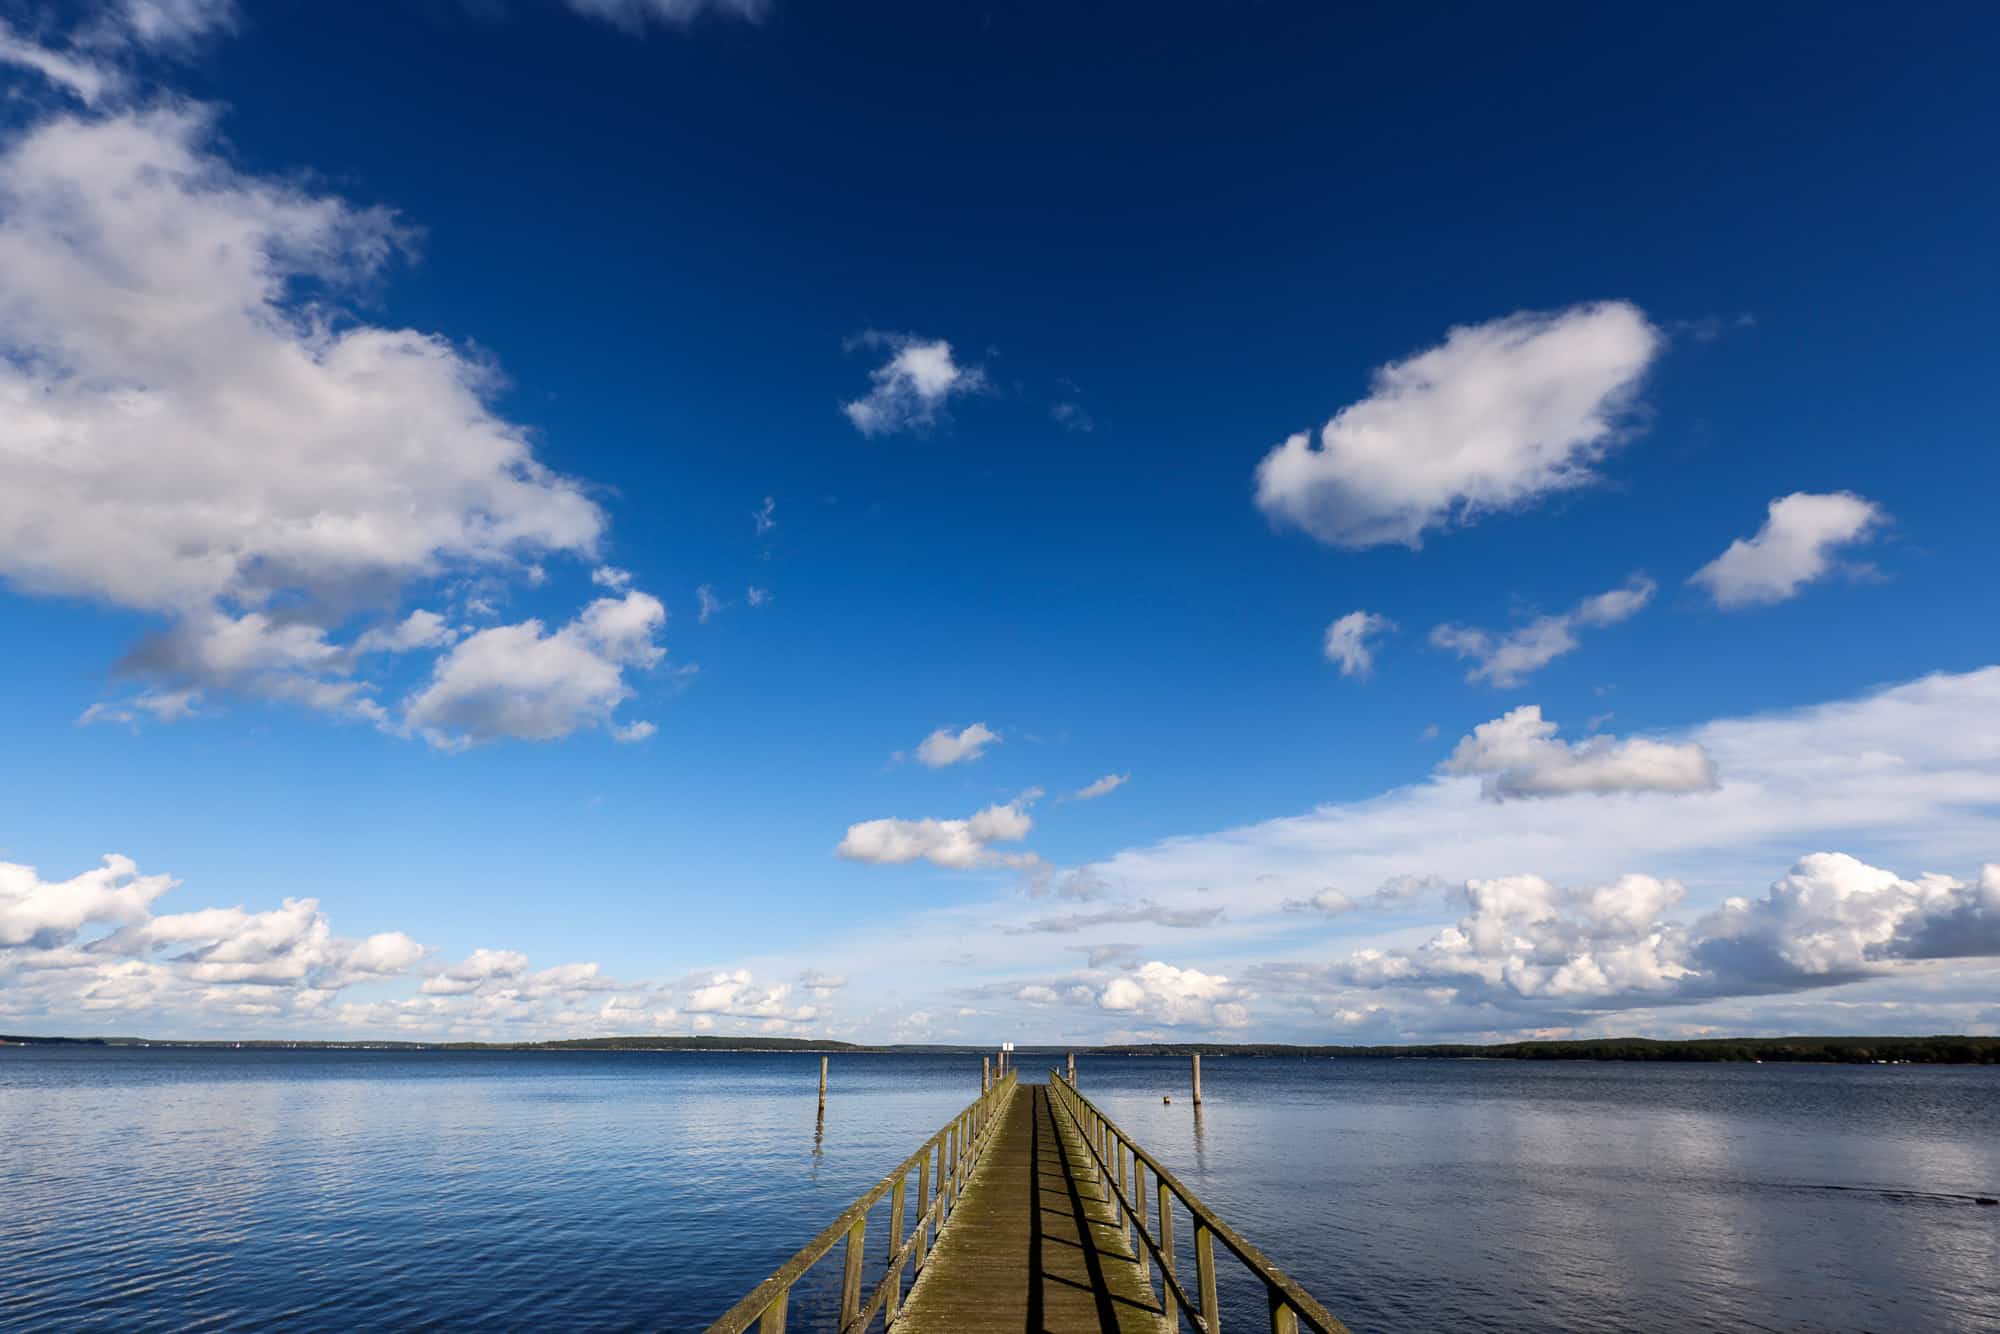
(1046, 1219)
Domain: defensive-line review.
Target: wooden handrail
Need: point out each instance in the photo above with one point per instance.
(957, 1147)
(1108, 1143)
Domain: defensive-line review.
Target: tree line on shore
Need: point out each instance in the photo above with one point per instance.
(1943, 1049)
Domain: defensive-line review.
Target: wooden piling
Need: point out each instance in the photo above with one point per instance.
(985, 1073)
(822, 1087)
(1197, 1079)
(1072, 1069)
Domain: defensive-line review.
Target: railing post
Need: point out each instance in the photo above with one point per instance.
(895, 1297)
(1124, 1228)
(850, 1278)
(1139, 1203)
(1204, 1274)
(1284, 1320)
(773, 1319)
(1172, 1305)
(923, 1209)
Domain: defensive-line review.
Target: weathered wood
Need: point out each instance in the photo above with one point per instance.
(1204, 1275)
(1167, 1257)
(773, 1319)
(1034, 1243)
(1197, 1079)
(1309, 1312)
(822, 1088)
(850, 1277)
(1284, 1320)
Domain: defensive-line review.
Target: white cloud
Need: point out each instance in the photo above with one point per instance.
(738, 995)
(765, 516)
(1793, 548)
(1831, 920)
(1508, 659)
(757, 596)
(169, 23)
(1347, 642)
(1329, 901)
(84, 78)
(910, 389)
(517, 681)
(1519, 755)
(710, 604)
(191, 439)
(945, 746)
(1107, 784)
(33, 910)
(166, 706)
(1164, 994)
(611, 577)
(1492, 419)
(635, 15)
(958, 844)
(420, 629)
(1129, 914)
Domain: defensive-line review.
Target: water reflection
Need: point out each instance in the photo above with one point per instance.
(635, 1190)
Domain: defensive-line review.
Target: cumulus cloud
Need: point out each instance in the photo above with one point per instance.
(958, 844)
(945, 746)
(738, 995)
(520, 681)
(1507, 659)
(1794, 547)
(195, 437)
(1495, 417)
(1347, 642)
(1831, 919)
(1519, 755)
(908, 391)
(1178, 997)
(1108, 784)
(48, 913)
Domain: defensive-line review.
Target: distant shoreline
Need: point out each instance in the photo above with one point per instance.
(1942, 1049)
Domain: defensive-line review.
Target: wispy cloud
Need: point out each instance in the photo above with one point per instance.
(1509, 658)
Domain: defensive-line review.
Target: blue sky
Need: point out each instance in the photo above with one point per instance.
(386, 383)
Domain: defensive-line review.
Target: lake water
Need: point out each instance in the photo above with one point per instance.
(152, 1189)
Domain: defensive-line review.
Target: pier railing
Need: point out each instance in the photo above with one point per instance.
(1123, 1165)
(952, 1152)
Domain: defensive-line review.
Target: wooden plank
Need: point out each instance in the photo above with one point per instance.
(1035, 1242)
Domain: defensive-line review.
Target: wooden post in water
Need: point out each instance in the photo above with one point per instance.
(1072, 1069)
(822, 1088)
(1197, 1079)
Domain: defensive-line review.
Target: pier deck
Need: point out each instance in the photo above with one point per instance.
(1036, 1243)
(1032, 1213)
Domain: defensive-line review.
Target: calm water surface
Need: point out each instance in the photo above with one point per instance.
(148, 1189)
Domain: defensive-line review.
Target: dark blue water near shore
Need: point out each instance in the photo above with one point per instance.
(150, 1189)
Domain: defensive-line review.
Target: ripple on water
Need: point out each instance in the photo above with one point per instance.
(608, 1191)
